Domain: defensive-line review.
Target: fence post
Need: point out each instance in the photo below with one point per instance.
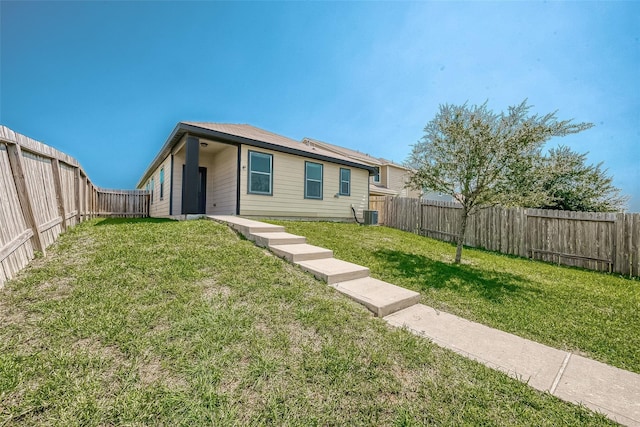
(15, 160)
(57, 186)
(76, 187)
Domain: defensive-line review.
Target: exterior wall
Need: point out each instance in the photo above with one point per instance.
(222, 180)
(288, 190)
(384, 177)
(160, 206)
(396, 179)
(178, 161)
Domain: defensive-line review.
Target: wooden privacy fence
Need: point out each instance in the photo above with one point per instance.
(122, 203)
(593, 240)
(42, 193)
(377, 203)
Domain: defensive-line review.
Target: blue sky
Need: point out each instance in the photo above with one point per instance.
(106, 82)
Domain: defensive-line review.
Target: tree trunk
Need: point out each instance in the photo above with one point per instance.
(463, 229)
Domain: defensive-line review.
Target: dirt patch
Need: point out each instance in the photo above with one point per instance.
(96, 348)
(409, 379)
(211, 290)
(449, 259)
(232, 379)
(160, 328)
(303, 338)
(152, 371)
(76, 254)
(20, 319)
(56, 289)
(11, 315)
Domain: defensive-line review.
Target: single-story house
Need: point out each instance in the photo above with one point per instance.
(390, 179)
(238, 169)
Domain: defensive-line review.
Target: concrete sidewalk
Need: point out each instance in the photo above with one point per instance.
(603, 388)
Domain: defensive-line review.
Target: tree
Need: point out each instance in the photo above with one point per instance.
(573, 185)
(474, 154)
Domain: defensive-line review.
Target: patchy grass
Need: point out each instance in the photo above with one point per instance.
(133, 322)
(586, 312)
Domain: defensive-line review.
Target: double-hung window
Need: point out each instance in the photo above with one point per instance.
(312, 180)
(161, 183)
(260, 173)
(153, 185)
(345, 182)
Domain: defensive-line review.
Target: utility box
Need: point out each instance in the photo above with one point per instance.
(370, 217)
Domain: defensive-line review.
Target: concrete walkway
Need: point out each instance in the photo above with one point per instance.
(603, 388)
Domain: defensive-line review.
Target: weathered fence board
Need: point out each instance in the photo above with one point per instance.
(377, 203)
(42, 192)
(67, 182)
(594, 240)
(15, 241)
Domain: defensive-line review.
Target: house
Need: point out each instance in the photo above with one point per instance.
(390, 179)
(238, 169)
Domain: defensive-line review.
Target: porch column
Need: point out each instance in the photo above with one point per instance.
(190, 184)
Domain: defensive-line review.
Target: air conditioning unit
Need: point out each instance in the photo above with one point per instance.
(370, 217)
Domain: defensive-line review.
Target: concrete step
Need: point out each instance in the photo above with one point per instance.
(380, 297)
(246, 226)
(300, 252)
(276, 238)
(333, 270)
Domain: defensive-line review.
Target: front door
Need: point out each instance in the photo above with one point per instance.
(202, 190)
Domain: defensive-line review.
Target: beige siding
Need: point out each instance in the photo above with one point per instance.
(223, 179)
(288, 190)
(178, 163)
(396, 179)
(160, 206)
(384, 177)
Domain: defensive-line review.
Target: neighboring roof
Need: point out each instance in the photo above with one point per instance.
(249, 135)
(379, 189)
(353, 154)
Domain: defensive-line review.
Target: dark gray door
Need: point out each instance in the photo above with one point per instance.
(201, 190)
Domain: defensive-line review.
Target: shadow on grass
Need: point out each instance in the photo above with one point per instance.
(462, 279)
(117, 221)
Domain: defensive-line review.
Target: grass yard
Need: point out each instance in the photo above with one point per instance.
(590, 313)
(147, 322)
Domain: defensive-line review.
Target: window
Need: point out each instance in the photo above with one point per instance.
(260, 173)
(153, 184)
(376, 176)
(312, 180)
(345, 182)
(161, 183)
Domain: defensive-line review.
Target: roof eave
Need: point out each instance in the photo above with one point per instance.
(213, 134)
(182, 128)
(162, 154)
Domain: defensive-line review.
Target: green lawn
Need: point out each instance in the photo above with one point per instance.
(590, 313)
(146, 322)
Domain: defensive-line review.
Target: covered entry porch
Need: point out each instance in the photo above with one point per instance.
(204, 177)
